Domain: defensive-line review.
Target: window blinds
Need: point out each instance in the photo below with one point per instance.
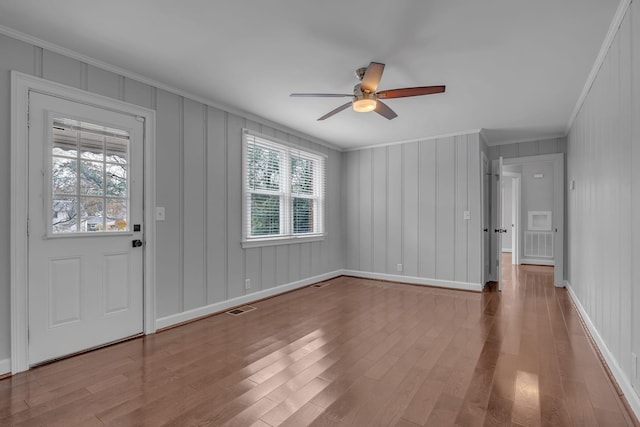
(283, 190)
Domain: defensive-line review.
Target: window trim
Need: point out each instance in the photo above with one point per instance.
(287, 196)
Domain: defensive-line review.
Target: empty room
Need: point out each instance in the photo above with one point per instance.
(297, 213)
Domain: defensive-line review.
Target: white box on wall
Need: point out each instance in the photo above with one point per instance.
(539, 221)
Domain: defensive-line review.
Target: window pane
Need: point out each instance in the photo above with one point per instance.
(91, 146)
(92, 214)
(301, 176)
(90, 165)
(265, 215)
(117, 150)
(63, 175)
(91, 178)
(64, 218)
(116, 180)
(263, 168)
(117, 215)
(302, 216)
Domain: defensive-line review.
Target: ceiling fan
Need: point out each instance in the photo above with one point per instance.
(365, 98)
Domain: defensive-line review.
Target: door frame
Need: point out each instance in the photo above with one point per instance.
(558, 217)
(516, 179)
(21, 84)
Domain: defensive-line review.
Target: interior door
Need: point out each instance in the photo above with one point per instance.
(85, 220)
(497, 228)
(486, 219)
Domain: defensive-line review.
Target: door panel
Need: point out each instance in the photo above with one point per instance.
(85, 195)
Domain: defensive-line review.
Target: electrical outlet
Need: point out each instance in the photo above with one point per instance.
(399, 267)
(467, 215)
(247, 283)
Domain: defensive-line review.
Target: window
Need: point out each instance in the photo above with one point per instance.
(88, 178)
(283, 192)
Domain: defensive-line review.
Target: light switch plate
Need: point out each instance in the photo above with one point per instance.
(467, 215)
(160, 214)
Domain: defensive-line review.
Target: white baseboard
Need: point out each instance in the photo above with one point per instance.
(477, 287)
(5, 366)
(507, 250)
(186, 316)
(535, 261)
(614, 367)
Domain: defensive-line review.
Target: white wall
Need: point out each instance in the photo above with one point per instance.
(406, 206)
(604, 233)
(199, 257)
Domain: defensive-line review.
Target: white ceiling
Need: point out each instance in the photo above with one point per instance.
(512, 67)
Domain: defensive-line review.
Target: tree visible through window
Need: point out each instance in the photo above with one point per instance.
(284, 190)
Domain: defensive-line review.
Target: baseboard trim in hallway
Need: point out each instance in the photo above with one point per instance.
(620, 380)
(412, 280)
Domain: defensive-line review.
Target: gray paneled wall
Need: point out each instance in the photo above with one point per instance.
(529, 148)
(199, 257)
(406, 205)
(602, 159)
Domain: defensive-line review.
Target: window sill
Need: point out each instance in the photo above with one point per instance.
(274, 241)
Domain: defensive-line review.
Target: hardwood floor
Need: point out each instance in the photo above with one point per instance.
(353, 353)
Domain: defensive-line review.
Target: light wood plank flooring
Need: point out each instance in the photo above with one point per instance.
(353, 353)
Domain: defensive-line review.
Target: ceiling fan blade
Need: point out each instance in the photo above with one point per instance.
(372, 76)
(336, 111)
(321, 95)
(410, 91)
(384, 110)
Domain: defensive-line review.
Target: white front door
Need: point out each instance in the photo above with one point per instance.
(85, 260)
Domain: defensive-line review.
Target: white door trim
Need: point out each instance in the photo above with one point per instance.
(21, 84)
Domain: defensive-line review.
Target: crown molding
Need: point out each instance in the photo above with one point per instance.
(623, 7)
(428, 138)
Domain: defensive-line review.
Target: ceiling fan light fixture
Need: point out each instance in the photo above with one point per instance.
(364, 105)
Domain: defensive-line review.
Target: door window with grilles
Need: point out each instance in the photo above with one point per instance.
(88, 177)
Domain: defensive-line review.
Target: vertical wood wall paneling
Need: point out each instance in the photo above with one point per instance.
(168, 185)
(474, 205)
(411, 209)
(61, 69)
(365, 219)
(216, 206)
(461, 225)
(194, 205)
(352, 172)
(427, 223)
(335, 248)
(19, 56)
(235, 253)
(411, 199)
(445, 209)
(253, 256)
(600, 214)
(138, 93)
(102, 82)
(624, 299)
(379, 209)
(394, 208)
(635, 180)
